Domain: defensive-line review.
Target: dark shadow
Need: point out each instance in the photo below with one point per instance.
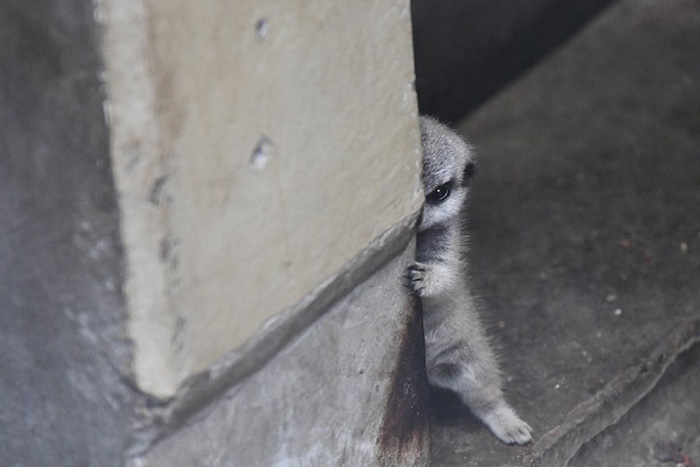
(447, 410)
(466, 51)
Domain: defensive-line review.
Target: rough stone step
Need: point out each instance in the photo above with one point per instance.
(663, 427)
(585, 224)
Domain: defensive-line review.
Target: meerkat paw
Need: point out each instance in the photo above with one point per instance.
(507, 426)
(414, 279)
(425, 280)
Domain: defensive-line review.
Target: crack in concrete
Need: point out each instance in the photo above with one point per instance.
(558, 446)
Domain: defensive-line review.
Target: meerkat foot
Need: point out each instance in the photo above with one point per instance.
(507, 426)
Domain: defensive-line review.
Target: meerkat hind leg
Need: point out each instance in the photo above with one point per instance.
(484, 398)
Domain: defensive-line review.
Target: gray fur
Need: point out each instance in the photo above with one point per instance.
(459, 356)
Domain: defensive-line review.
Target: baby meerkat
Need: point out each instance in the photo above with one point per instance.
(458, 354)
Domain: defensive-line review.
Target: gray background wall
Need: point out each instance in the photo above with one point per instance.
(465, 51)
(63, 400)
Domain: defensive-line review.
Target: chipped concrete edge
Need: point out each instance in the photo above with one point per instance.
(196, 393)
(588, 419)
(137, 167)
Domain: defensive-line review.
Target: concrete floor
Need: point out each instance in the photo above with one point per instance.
(585, 225)
(663, 427)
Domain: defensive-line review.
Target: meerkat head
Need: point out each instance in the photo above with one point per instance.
(448, 167)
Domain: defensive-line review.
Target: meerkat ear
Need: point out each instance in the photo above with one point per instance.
(469, 172)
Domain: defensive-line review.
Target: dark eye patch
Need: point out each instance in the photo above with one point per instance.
(440, 194)
(469, 172)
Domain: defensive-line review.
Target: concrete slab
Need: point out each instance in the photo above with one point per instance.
(663, 427)
(299, 411)
(586, 230)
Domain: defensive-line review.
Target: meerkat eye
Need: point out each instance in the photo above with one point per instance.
(439, 194)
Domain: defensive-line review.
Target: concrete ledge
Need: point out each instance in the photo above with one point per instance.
(204, 388)
(558, 446)
(349, 390)
(661, 427)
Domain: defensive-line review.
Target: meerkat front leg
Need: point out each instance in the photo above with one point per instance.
(429, 279)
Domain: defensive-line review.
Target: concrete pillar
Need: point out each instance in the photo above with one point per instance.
(208, 271)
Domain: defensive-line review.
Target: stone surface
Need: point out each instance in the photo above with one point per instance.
(258, 147)
(192, 198)
(63, 395)
(351, 390)
(585, 228)
(668, 417)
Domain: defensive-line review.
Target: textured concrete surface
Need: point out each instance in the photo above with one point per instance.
(466, 51)
(349, 391)
(63, 397)
(67, 384)
(258, 147)
(199, 392)
(664, 427)
(586, 230)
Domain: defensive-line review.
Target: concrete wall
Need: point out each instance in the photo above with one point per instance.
(258, 147)
(65, 398)
(206, 209)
